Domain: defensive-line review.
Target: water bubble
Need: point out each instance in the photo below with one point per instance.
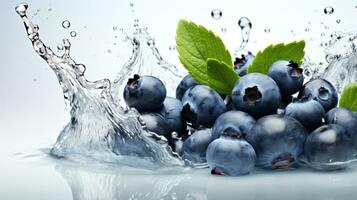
(267, 30)
(307, 29)
(73, 33)
(223, 30)
(338, 21)
(21, 9)
(329, 10)
(66, 24)
(216, 14)
(244, 22)
(60, 47)
(172, 47)
(151, 42)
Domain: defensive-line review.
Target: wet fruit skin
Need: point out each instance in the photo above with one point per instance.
(278, 141)
(345, 118)
(144, 93)
(195, 146)
(157, 124)
(327, 146)
(287, 75)
(231, 156)
(321, 91)
(202, 106)
(183, 86)
(171, 111)
(257, 94)
(308, 112)
(235, 120)
(242, 63)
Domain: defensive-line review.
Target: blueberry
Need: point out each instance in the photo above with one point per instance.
(235, 120)
(231, 156)
(195, 146)
(256, 94)
(278, 141)
(287, 75)
(202, 106)
(144, 93)
(242, 62)
(308, 112)
(171, 111)
(157, 124)
(345, 118)
(328, 147)
(186, 83)
(322, 91)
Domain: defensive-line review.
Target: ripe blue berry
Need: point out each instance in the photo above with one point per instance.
(144, 93)
(321, 91)
(171, 111)
(278, 141)
(186, 83)
(242, 62)
(235, 120)
(231, 156)
(256, 94)
(195, 146)
(345, 118)
(202, 106)
(328, 147)
(308, 112)
(287, 75)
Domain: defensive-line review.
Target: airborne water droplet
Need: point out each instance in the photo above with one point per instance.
(307, 29)
(50, 9)
(60, 47)
(66, 24)
(151, 42)
(223, 30)
(338, 21)
(172, 47)
(329, 10)
(267, 30)
(244, 22)
(109, 51)
(216, 14)
(115, 28)
(21, 9)
(73, 33)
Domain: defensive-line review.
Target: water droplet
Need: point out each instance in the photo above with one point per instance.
(330, 160)
(115, 28)
(66, 24)
(60, 47)
(223, 30)
(34, 80)
(322, 34)
(49, 10)
(172, 47)
(136, 23)
(151, 42)
(307, 29)
(267, 30)
(326, 27)
(131, 4)
(244, 22)
(216, 14)
(21, 9)
(307, 72)
(115, 36)
(114, 43)
(338, 21)
(36, 27)
(109, 51)
(329, 10)
(73, 33)
(38, 10)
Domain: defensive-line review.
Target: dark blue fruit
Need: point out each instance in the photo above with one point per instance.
(229, 155)
(308, 112)
(287, 75)
(171, 111)
(257, 94)
(144, 93)
(278, 141)
(186, 83)
(321, 91)
(195, 146)
(345, 118)
(328, 147)
(157, 124)
(237, 121)
(202, 106)
(242, 62)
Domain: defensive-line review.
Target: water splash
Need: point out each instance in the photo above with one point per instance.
(100, 129)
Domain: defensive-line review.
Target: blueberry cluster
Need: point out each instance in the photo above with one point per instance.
(270, 121)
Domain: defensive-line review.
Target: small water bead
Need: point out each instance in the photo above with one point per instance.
(267, 30)
(322, 34)
(115, 28)
(49, 10)
(223, 30)
(21, 9)
(66, 24)
(131, 4)
(307, 29)
(172, 47)
(34, 80)
(329, 10)
(114, 43)
(338, 21)
(36, 27)
(244, 22)
(151, 42)
(216, 14)
(73, 33)
(60, 47)
(109, 51)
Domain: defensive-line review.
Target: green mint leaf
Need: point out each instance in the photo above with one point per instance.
(348, 97)
(264, 59)
(195, 44)
(221, 77)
